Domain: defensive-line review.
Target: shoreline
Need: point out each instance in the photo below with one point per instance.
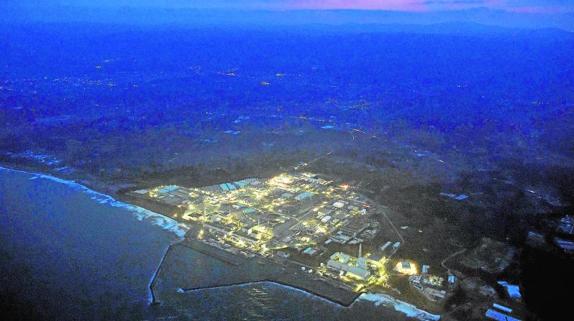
(94, 184)
(100, 195)
(139, 213)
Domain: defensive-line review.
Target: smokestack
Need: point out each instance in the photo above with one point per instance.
(360, 249)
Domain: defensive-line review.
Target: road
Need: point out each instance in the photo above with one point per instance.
(443, 263)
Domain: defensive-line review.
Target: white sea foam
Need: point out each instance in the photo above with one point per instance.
(140, 214)
(409, 310)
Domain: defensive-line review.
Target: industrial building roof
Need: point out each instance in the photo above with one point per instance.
(354, 270)
(304, 195)
(499, 316)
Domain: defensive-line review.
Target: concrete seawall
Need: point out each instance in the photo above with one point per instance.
(174, 276)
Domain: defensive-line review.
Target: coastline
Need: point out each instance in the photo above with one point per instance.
(84, 258)
(99, 194)
(139, 213)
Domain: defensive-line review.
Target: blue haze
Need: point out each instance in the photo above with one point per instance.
(77, 76)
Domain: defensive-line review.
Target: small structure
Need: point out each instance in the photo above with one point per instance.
(425, 269)
(286, 195)
(171, 195)
(385, 246)
(249, 210)
(282, 254)
(232, 186)
(451, 280)
(167, 189)
(353, 267)
(513, 291)
(429, 286)
(566, 225)
(227, 187)
(304, 196)
(460, 197)
(339, 204)
(500, 313)
(566, 245)
(311, 251)
(260, 232)
(536, 240)
(434, 294)
(406, 267)
(340, 238)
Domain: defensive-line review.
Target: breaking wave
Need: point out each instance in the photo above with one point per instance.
(139, 213)
(408, 309)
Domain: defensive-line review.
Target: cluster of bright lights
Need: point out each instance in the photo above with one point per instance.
(238, 215)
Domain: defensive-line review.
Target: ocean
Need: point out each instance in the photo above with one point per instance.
(69, 253)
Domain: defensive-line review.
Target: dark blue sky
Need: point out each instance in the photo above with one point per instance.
(509, 13)
(519, 6)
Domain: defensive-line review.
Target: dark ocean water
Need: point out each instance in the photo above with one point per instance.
(69, 253)
(66, 255)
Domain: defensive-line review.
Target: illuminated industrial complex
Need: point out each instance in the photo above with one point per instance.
(301, 217)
